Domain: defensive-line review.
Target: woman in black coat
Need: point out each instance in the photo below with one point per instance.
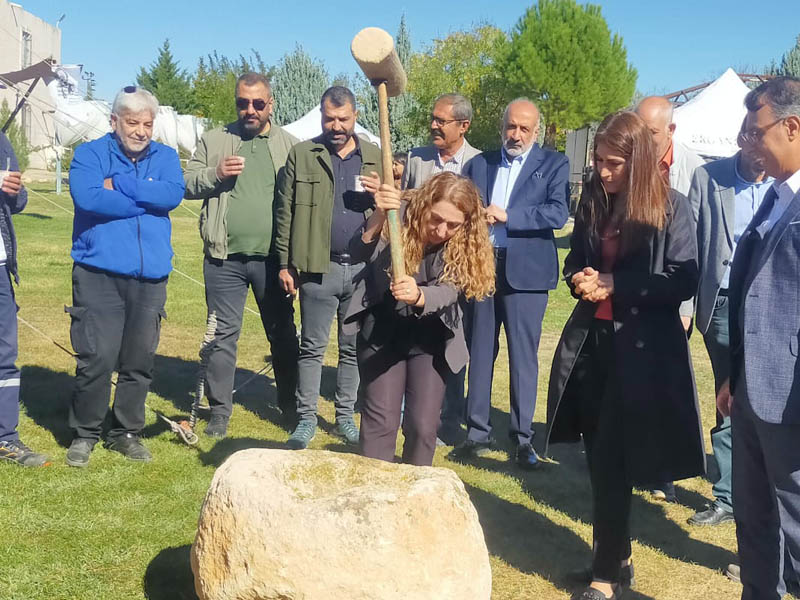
(410, 333)
(622, 376)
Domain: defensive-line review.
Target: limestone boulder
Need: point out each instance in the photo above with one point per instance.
(316, 525)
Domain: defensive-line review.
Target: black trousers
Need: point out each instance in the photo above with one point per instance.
(601, 419)
(116, 323)
(388, 375)
(227, 282)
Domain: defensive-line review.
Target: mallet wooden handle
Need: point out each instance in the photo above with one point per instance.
(395, 235)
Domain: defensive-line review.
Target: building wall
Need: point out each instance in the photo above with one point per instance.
(26, 39)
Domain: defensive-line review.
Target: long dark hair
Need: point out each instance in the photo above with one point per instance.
(647, 193)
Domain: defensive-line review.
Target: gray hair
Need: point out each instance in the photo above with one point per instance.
(781, 94)
(135, 99)
(459, 105)
(338, 96)
(520, 99)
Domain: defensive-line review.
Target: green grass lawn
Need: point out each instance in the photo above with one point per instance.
(122, 530)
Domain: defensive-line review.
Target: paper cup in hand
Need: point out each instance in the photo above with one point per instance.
(357, 185)
(3, 175)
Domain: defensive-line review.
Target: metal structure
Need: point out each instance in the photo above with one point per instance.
(683, 96)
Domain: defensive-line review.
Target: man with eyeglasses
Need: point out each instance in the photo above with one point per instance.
(449, 151)
(124, 186)
(320, 206)
(233, 171)
(762, 395)
(725, 194)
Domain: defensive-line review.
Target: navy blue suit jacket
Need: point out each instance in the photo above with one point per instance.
(764, 296)
(539, 203)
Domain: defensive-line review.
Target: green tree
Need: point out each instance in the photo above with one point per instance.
(297, 85)
(214, 84)
(790, 63)
(20, 143)
(403, 126)
(467, 63)
(171, 85)
(563, 56)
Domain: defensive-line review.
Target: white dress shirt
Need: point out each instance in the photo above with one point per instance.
(507, 175)
(786, 191)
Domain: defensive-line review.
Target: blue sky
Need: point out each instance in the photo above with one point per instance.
(673, 45)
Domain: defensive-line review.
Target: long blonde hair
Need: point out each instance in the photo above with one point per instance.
(468, 255)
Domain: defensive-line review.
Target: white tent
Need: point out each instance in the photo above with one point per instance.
(709, 123)
(310, 125)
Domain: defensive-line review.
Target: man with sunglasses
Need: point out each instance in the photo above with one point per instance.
(233, 171)
(449, 151)
(725, 194)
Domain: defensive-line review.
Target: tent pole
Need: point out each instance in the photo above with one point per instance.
(7, 124)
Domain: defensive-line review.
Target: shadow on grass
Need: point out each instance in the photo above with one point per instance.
(220, 452)
(538, 547)
(34, 215)
(169, 575)
(45, 394)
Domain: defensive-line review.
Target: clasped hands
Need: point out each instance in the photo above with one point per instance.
(593, 286)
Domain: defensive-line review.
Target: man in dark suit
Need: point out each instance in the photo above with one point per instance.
(724, 196)
(763, 394)
(524, 188)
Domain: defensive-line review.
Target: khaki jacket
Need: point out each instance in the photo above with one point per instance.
(304, 204)
(202, 183)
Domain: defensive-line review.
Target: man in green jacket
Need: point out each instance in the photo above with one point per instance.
(234, 170)
(319, 207)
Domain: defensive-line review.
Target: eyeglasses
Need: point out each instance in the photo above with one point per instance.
(258, 103)
(442, 122)
(754, 135)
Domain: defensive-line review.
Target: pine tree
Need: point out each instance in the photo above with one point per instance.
(297, 85)
(171, 85)
(790, 63)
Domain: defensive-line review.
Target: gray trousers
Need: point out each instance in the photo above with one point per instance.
(766, 493)
(227, 282)
(718, 346)
(323, 296)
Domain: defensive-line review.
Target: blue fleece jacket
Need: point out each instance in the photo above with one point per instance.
(126, 230)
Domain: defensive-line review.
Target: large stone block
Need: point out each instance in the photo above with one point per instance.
(315, 525)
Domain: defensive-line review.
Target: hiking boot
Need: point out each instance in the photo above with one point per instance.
(217, 426)
(17, 452)
(130, 446)
(347, 430)
(79, 451)
(303, 434)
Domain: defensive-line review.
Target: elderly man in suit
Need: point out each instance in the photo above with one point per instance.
(525, 190)
(449, 151)
(763, 394)
(725, 194)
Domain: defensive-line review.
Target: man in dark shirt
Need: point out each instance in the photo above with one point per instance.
(318, 210)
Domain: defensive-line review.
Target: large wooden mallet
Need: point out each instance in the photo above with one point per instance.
(374, 52)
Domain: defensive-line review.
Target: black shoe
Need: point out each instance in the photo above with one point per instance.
(715, 514)
(526, 458)
(470, 450)
(449, 435)
(589, 593)
(217, 426)
(79, 451)
(584, 576)
(18, 453)
(130, 446)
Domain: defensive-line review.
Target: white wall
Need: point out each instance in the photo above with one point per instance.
(45, 43)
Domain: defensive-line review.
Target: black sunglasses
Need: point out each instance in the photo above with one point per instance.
(258, 103)
(129, 89)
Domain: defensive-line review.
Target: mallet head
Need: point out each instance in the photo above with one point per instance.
(373, 49)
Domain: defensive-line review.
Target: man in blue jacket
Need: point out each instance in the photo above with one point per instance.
(123, 186)
(13, 198)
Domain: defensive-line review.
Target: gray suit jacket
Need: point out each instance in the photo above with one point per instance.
(765, 316)
(712, 198)
(421, 161)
